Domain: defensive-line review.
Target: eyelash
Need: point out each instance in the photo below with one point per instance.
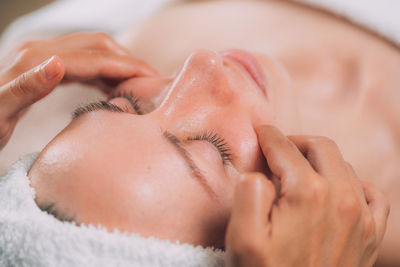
(218, 142)
(133, 100)
(101, 105)
(104, 105)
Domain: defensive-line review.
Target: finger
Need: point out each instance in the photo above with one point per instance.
(30, 87)
(379, 207)
(323, 155)
(95, 40)
(356, 183)
(253, 199)
(283, 158)
(86, 65)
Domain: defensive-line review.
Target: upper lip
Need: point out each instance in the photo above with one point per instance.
(250, 64)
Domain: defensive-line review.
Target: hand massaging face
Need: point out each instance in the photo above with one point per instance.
(162, 156)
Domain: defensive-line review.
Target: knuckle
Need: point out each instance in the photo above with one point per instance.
(103, 40)
(317, 192)
(349, 206)
(23, 60)
(20, 86)
(25, 54)
(322, 141)
(349, 167)
(279, 143)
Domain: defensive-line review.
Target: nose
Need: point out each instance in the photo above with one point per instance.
(203, 77)
(205, 60)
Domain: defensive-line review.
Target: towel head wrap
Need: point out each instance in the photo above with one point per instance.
(31, 237)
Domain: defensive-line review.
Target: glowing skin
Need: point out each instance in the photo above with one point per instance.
(344, 80)
(119, 170)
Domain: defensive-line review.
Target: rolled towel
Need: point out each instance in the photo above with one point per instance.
(32, 237)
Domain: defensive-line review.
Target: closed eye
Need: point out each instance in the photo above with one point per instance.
(219, 144)
(132, 99)
(104, 105)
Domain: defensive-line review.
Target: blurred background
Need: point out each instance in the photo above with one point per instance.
(11, 9)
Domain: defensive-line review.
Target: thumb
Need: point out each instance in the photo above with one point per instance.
(253, 199)
(30, 86)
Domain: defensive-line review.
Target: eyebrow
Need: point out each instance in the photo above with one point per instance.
(195, 170)
(172, 139)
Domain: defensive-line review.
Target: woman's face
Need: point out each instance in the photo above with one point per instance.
(169, 172)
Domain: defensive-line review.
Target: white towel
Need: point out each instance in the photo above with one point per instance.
(30, 237)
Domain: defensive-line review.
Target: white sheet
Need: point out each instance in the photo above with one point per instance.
(65, 16)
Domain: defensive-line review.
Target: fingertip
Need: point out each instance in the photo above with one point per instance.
(254, 185)
(53, 69)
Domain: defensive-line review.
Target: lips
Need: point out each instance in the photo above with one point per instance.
(250, 64)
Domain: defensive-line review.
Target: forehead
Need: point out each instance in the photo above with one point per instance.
(106, 155)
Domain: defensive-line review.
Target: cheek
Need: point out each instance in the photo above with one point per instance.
(174, 206)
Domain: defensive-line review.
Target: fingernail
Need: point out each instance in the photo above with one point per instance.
(50, 68)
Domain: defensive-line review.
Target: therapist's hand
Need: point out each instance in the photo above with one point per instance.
(86, 57)
(324, 215)
(36, 68)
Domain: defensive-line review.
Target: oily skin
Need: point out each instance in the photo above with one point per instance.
(143, 185)
(345, 78)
